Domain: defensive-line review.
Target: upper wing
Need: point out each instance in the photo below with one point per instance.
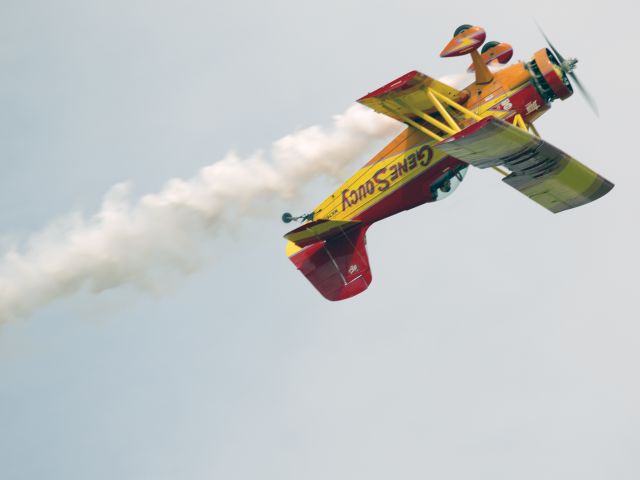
(541, 171)
(407, 95)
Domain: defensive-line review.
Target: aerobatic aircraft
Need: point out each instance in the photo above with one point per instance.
(488, 124)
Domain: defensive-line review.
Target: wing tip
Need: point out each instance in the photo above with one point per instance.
(391, 86)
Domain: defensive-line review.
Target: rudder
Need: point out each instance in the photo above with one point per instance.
(337, 267)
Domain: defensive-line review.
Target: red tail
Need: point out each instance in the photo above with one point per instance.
(338, 267)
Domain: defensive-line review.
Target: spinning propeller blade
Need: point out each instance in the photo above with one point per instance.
(587, 96)
(568, 66)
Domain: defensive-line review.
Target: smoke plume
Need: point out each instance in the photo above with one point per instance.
(127, 242)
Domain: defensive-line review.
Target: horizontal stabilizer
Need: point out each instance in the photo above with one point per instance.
(312, 232)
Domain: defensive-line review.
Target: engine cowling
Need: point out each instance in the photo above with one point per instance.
(548, 78)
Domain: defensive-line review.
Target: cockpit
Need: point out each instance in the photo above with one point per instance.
(448, 182)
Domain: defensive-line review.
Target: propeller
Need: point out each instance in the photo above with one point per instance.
(568, 65)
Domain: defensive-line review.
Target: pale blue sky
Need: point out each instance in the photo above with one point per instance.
(497, 340)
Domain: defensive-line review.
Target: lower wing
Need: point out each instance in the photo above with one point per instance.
(544, 173)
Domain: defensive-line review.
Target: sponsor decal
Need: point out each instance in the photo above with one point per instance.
(383, 178)
(532, 106)
(506, 104)
(466, 41)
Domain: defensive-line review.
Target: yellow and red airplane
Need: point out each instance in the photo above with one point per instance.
(487, 124)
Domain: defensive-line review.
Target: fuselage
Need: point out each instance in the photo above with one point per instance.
(489, 124)
(411, 170)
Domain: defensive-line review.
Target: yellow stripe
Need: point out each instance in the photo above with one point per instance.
(332, 206)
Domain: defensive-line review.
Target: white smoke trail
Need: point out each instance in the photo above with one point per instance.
(125, 242)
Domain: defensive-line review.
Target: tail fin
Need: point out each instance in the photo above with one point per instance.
(338, 267)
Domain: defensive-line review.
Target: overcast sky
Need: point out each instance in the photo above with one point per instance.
(497, 341)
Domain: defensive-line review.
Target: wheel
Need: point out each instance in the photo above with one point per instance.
(489, 45)
(461, 29)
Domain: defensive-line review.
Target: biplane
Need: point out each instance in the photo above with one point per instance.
(488, 124)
